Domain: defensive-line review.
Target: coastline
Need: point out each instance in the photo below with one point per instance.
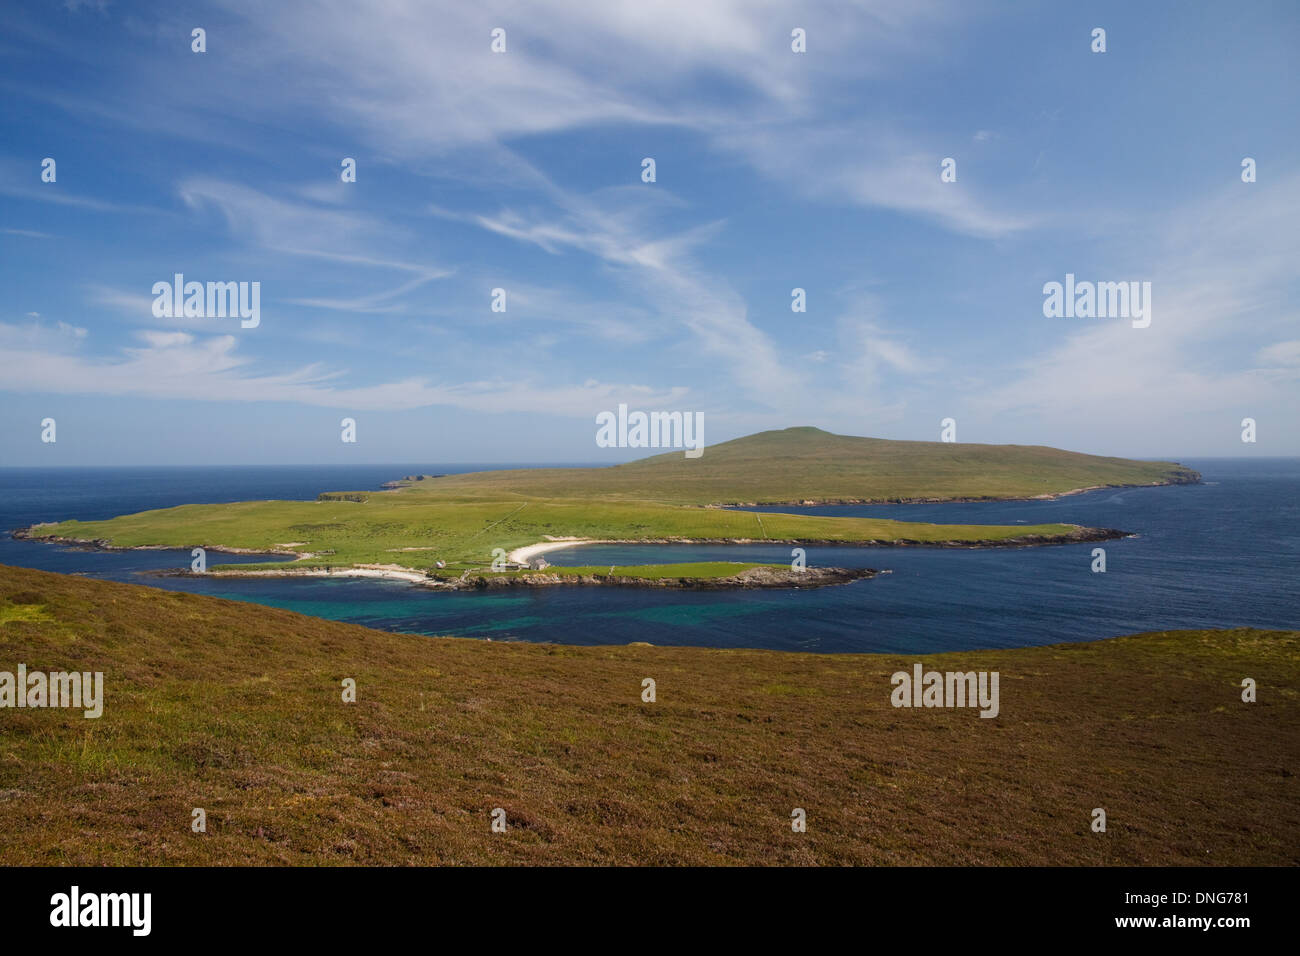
(752, 577)
(1079, 536)
(1193, 478)
(31, 533)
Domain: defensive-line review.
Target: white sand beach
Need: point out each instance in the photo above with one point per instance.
(393, 572)
(522, 555)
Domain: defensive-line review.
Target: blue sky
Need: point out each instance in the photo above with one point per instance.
(522, 170)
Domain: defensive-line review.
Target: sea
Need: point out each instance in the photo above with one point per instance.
(1223, 553)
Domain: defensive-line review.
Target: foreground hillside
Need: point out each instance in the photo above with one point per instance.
(236, 708)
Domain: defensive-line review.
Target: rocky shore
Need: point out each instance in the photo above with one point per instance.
(760, 577)
(1079, 535)
(1185, 477)
(756, 577)
(34, 533)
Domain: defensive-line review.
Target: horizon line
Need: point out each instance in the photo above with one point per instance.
(528, 464)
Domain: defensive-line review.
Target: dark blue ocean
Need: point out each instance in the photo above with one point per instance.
(1220, 554)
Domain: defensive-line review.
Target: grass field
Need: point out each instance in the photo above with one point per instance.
(462, 519)
(465, 532)
(237, 709)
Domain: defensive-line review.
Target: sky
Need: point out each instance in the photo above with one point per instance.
(522, 170)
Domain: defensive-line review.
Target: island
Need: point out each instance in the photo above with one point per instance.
(486, 529)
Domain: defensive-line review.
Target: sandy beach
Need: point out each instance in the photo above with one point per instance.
(524, 554)
(390, 571)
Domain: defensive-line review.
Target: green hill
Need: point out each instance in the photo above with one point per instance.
(808, 464)
(237, 709)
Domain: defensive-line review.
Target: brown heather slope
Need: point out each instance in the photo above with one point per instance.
(236, 708)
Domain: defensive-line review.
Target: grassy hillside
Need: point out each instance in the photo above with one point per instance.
(236, 708)
(808, 464)
(460, 519)
(416, 530)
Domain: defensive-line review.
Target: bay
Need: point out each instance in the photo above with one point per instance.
(1220, 554)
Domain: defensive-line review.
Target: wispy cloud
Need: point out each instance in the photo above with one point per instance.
(179, 365)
